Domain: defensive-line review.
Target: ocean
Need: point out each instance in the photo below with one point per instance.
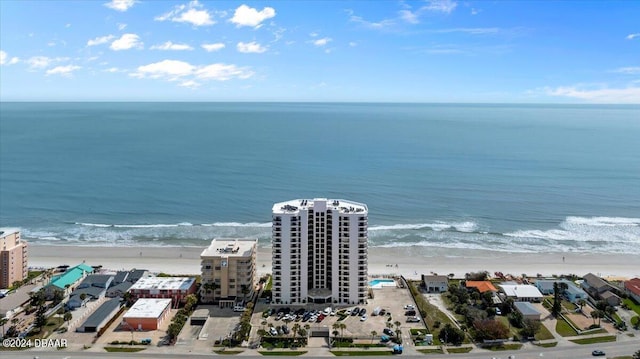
(515, 178)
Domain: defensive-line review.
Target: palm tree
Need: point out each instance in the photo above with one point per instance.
(582, 303)
(343, 326)
(373, 335)
(295, 329)
(397, 324)
(3, 321)
(335, 327)
(67, 317)
(610, 310)
(595, 315)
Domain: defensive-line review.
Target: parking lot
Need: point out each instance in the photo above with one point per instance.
(390, 299)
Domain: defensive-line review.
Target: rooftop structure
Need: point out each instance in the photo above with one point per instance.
(481, 285)
(13, 257)
(595, 285)
(435, 283)
(522, 292)
(572, 292)
(228, 270)
(147, 314)
(163, 283)
(71, 276)
(527, 310)
(632, 287)
(100, 317)
(319, 251)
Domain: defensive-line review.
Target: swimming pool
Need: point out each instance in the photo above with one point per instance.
(379, 283)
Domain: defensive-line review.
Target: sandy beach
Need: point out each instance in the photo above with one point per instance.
(411, 261)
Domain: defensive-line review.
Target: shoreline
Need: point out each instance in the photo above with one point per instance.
(411, 261)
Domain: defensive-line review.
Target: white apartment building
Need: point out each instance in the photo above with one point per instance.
(228, 271)
(319, 252)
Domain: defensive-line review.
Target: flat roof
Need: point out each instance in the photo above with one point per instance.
(521, 291)
(7, 231)
(230, 247)
(164, 283)
(340, 205)
(147, 308)
(526, 308)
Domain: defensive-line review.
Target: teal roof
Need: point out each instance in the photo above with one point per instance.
(71, 276)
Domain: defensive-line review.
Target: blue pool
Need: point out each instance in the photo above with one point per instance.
(379, 283)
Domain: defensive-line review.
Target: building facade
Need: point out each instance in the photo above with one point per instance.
(319, 251)
(228, 271)
(13, 257)
(147, 314)
(174, 288)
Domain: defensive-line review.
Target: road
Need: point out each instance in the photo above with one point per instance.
(572, 352)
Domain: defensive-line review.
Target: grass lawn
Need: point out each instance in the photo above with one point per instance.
(123, 350)
(53, 323)
(282, 353)
(430, 351)
(569, 306)
(564, 329)
(543, 333)
(547, 345)
(459, 350)
(340, 353)
(228, 352)
(505, 321)
(605, 339)
(633, 305)
(514, 346)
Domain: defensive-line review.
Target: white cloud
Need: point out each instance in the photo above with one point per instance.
(63, 70)
(213, 47)
(597, 95)
(126, 42)
(100, 40)
(370, 24)
(188, 74)
(39, 62)
(446, 6)
(190, 84)
(353, 44)
(633, 36)
(633, 70)
(321, 42)
(67, 26)
(171, 46)
(408, 16)
(121, 26)
(248, 16)
(4, 59)
(251, 47)
(113, 70)
(188, 13)
(120, 5)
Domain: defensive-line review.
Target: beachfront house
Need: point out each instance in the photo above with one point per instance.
(118, 290)
(435, 283)
(521, 292)
(632, 288)
(67, 281)
(595, 285)
(611, 298)
(572, 292)
(482, 286)
(528, 310)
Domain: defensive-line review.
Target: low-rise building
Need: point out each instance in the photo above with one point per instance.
(228, 271)
(67, 281)
(632, 288)
(118, 290)
(528, 310)
(611, 298)
(175, 288)
(101, 317)
(522, 292)
(595, 285)
(481, 286)
(572, 292)
(147, 313)
(435, 283)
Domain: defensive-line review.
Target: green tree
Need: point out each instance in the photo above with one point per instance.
(490, 329)
(558, 290)
(83, 296)
(636, 355)
(450, 334)
(582, 303)
(373, 335)
(41, 320)
(37, 299)
(596, 314)
(67, 318)
(530, 328)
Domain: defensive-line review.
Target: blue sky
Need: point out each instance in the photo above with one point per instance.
(393, 51)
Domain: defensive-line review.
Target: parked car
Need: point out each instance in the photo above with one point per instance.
(363, 311)
(388, 332)
(363, 318)
(498, 311)
(409, 306)
(273, 331)
(355, 311)
(410, 312)
(285, 329)
(413, 320)
(598, 353)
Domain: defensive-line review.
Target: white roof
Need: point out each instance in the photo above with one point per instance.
(341, 205)
(147, 308)
(163, 283)
(230, 247)
(521, 291)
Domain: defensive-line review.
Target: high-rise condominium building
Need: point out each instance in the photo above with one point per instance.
(319, 251)
(228, 271)
(13, 257)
